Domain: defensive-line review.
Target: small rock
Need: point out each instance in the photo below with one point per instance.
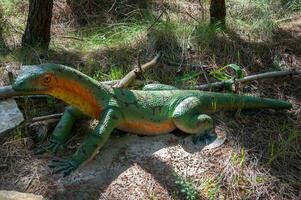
(10, 115)
(14, 195)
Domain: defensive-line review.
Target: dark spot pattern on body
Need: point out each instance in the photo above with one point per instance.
(114, 117)
(79, 76)
(114, 97)
(164, 98)
(159, 108)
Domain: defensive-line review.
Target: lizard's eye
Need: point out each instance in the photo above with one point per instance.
(47, 79)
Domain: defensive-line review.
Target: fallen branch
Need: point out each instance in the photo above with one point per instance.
(46, 117)
(132, 75)
(223, 84)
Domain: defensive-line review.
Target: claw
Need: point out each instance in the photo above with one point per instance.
(60, 169)
(40, 150)
(54, 165)
(206, 138)
(67, 173)
(195, 139)
(54, 149)
(50, 147)
(65, 166)
(58, 160)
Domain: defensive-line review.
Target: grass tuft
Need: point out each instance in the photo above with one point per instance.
(282, 147)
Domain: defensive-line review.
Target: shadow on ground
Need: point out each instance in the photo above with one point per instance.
(114, 165)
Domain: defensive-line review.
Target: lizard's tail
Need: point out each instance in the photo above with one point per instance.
(221, 101)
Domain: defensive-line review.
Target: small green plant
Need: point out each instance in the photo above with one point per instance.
(153, 196)
(116, 73)
(205, 33)
(100, 76)
(192, 77)
(260, 180)
(186, 187)
(222, 75)
(277, 65)
(18, 134)
(213, 187)
(239, 158)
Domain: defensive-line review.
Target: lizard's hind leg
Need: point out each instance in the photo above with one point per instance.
(62, 131)
(188, 118)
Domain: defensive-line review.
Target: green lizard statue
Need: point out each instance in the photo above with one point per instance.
(156, 109)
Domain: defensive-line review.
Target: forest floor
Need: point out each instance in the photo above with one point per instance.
(261, 158)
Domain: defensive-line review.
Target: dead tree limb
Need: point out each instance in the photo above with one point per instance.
(131, 76)
(223, 84)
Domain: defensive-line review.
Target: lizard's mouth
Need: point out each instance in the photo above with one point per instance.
(8, 92)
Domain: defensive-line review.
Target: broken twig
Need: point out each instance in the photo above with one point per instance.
(158, 18)
(131, 76)
(42, 118)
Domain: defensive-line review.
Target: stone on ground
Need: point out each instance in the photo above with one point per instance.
(10, 115)
(14, 195)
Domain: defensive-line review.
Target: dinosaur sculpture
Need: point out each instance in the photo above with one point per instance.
(154, 110)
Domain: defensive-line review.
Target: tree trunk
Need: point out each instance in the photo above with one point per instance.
(37, 30)
(218, 12)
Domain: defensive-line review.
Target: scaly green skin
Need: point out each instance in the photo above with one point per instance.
(155, 110)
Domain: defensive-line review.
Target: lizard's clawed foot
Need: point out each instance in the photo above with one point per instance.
(64, 166)
(205, 138)
(51, 146)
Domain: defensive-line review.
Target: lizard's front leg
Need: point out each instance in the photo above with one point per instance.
(109, 120)
(62, 131)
